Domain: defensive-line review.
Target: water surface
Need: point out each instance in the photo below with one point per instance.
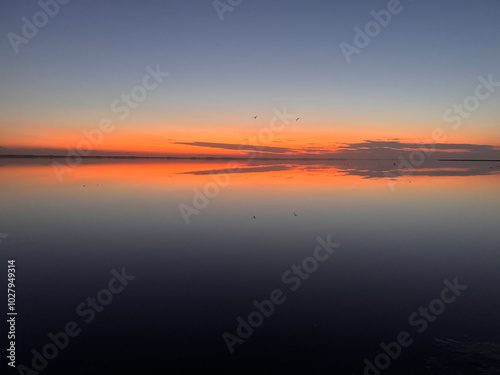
(399, 237)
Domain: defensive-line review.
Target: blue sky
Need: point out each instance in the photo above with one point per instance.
(265, 54)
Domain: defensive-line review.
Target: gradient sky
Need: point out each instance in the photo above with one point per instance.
(265, 55)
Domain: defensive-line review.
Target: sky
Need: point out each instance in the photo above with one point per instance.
(196, 73)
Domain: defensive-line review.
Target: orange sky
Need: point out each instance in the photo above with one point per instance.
(155, 139)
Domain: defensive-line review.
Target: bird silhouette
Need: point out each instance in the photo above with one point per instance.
(294, 214)
(255, 117)
(254, 217)
(297, 119)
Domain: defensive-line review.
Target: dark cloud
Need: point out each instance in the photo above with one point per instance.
(396, 149)
(368, 149)
(239, 147)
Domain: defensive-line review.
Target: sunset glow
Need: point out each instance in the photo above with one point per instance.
(250, 186)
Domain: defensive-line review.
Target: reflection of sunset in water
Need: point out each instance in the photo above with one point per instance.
(241, 173)
(201, 239)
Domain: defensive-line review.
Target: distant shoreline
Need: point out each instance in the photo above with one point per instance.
(468, 160)
(9, 156)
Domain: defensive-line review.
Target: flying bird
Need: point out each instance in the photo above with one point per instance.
(294, 214)
(297, 119)
(254, 217)
(255, 117)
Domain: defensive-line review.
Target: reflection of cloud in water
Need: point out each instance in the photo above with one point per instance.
(365, 168)
(243, 170)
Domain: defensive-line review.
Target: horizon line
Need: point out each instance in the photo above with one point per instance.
(29, 156)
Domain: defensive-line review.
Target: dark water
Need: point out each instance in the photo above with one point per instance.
(192, 281)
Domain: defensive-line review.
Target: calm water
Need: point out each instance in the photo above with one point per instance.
(399, 240)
